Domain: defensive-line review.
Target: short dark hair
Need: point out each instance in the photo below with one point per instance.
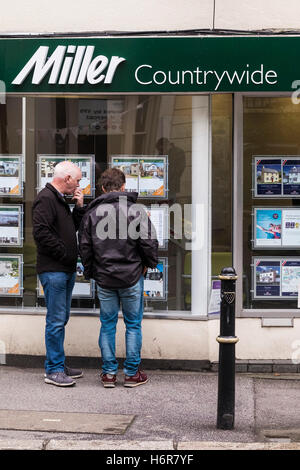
(112, 179)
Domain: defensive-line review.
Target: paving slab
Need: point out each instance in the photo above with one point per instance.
(281, 434)
(277, 404)
(92, 423)
(200, 445)
(21, 444)
(55, 444)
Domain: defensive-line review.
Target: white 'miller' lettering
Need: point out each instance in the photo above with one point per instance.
(74, 68)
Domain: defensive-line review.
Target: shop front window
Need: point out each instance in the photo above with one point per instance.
(271, 203)
(148, 137)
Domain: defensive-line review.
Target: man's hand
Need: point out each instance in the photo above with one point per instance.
(145, 271)
(78, 197)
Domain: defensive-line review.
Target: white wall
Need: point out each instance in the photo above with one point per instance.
(257, 342)
(257, 14)
(162, 339)
(37, 16)
(94, 15)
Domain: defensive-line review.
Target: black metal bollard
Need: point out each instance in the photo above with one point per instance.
(227, 340)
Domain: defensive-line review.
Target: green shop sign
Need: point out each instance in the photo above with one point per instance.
(149, 64)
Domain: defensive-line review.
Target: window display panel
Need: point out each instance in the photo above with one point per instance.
(277, 278)
(276, 228)
(146, 175)
(276, 176)
(271, 203)
(11, 225)
(11, 175)
(155, 284)
(11, 275)
(46, 165)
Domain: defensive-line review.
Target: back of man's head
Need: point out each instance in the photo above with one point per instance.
(112, 179)
(65, 168)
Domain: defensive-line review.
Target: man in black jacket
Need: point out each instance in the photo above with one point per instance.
(54, 231)
(117, 243)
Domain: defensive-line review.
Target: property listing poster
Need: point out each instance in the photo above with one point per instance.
(11, 221)
(290, 278)
(155, 283)
(290, 227)
(267, 227)
(159, 218)
(276, 278)
(146, 175)
(130, 167)
(276, 227)
(267, 176)
(11, 176)
(11, 276)
(215, 298)
(152, 179)
(267, 278)
(291, 177)
(47, 163)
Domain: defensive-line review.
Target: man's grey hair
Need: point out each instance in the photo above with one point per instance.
(63, 169)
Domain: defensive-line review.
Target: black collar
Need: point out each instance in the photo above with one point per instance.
(57, 193)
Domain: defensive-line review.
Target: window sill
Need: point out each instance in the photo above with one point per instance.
(170, 315)
(269, 313)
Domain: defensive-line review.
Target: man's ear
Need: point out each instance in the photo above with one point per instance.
(123, 187)
(103, 189)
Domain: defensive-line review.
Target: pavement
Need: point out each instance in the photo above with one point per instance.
(174, 411)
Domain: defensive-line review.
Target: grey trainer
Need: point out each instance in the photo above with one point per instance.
(60, 379)
(74, 373)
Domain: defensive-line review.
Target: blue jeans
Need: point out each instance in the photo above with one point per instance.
(58, 287)
(132, 301)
